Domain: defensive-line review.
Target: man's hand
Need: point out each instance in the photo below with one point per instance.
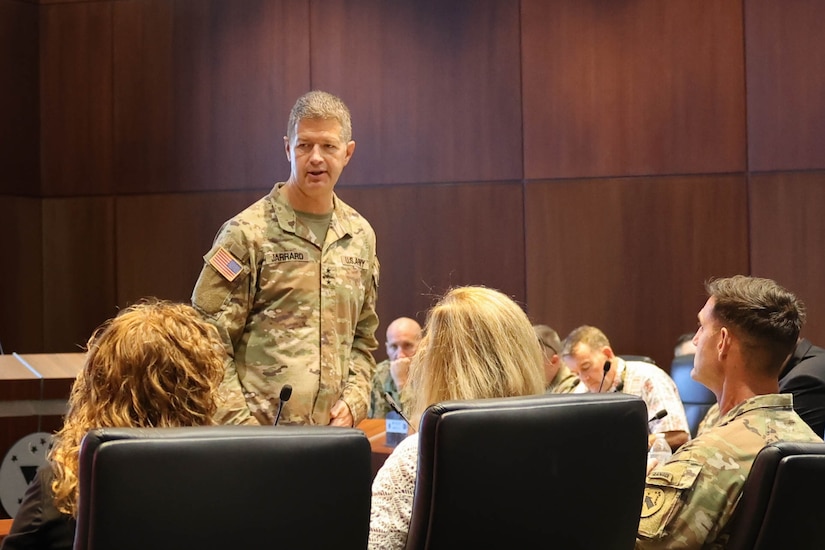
(340, 415)
(399, 369)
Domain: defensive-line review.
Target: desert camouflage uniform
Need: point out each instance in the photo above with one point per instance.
(300, 313)
(383, 382)
(565, 381)
(689, 500)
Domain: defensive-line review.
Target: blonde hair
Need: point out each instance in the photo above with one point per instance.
(155, 364)
(477, 343)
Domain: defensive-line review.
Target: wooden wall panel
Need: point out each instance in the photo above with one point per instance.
(21, 276)
(786, 84)
(203, 91)
(78, 269)
(161, 240)
(632, 88)
(788, 239)
(19, 132)
(433, 237)
(433, 86)
(630, 256)
(76, 98)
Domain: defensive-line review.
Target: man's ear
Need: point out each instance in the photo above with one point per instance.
(725, 342)
(350, 151)
(608, 352)
(286, 148)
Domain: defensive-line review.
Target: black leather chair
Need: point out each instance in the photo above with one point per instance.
(529, 472)
(696, 398)
(224, 487)
(781, 504)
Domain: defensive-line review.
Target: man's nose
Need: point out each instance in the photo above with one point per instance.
(315, 154)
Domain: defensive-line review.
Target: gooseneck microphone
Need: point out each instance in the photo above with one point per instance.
(391, 402)
(606, 369)
(286, 393)
(658, 416)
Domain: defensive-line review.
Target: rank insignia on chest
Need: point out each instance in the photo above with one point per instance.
(226, 264)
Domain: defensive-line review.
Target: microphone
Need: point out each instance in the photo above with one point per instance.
(286, 393)
(658, 416)
(606, 369)
(391, 402)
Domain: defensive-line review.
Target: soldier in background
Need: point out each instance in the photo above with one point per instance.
(291, 284)
(747, 329)
(403, 336)
(560, 379)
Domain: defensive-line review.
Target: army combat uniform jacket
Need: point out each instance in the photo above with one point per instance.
(292, 310)
(689, 500)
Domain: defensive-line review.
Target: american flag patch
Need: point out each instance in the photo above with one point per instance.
(226, 264)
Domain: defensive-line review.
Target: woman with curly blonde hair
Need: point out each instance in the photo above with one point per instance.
(477, 344)
(155, 364)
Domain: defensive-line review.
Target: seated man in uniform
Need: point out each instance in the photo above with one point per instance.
(747, 329)
(403, 336)
(559, 378)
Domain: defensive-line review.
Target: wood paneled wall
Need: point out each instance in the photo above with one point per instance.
(597, 160)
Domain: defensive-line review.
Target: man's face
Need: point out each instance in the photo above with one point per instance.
(317, 156)
(706, 341)
(588, 365)
(402, 342)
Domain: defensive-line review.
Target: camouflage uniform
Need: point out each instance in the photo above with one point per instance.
(383, 382)
(300, 312)
(689, 500)
(565, 381)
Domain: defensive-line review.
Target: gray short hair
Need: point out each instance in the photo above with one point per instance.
(320, 105)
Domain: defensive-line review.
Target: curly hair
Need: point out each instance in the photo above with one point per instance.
(155, 364)
(478, 343)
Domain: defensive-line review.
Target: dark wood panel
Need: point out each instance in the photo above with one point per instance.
(632, 88)
(433, 86)
(786, 84)
(19, 134)
(21, 278)
(203, 90)
(76, 98)
(631, 255)
(788, 239)
(78, 268)
(433, 237)
(161, 240)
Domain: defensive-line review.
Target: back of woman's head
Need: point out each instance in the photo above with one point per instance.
(156, 364)
(478, 343)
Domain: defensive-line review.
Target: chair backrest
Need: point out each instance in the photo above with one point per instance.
(696, 398)
(221, 487)
(524, 472)
(781, 504)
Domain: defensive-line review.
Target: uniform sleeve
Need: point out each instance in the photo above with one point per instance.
(669, 517)
(392, 497)
(362, 364)
(226, 303)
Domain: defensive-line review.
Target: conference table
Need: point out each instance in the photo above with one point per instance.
(376, 433)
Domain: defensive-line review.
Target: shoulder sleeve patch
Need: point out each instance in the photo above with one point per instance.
(225, 263)
(214, 286)
(653, 501)
(663, 496)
